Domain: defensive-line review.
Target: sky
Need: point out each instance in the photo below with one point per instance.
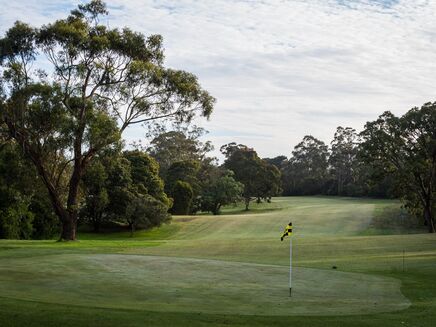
(282, 69)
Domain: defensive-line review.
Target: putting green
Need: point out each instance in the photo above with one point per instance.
(158, 283)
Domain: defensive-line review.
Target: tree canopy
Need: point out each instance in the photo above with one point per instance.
(260, 179)
(101, 81)
(405, 147)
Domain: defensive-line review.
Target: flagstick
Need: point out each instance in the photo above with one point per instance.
(290, 265)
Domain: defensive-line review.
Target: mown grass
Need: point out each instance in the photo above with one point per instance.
(328, 231)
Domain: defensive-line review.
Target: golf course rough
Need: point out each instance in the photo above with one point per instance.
(231, 264)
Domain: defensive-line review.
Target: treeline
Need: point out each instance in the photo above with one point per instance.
(315, 168)
(393, 157)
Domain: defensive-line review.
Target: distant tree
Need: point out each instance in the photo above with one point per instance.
(189, 172)
(269, 180)
(100, 82)
(145, 175)
(306, 171)
(183, 196)
(405, 148)
(343, 161)
(169, 147)
(260, 179)
(278, 161)
(186, 171)
(222, 189)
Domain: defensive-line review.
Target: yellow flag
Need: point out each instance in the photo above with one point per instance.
(287, 232)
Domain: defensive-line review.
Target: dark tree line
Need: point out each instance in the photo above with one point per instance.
(339, 169)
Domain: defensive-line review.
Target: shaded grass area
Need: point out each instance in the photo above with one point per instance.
(353, 234)
(391, 219)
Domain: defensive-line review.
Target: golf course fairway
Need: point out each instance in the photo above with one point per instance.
(354, 265)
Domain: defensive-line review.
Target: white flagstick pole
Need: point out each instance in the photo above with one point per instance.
(290, 265)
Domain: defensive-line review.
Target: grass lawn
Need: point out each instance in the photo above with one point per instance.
(232, 270)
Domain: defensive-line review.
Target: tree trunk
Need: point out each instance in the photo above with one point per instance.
(247, 203)
(69, 227)
(216, 209)
(132, 229)
(67, 218)
(429, 219)
(96, 225)
(69, 221)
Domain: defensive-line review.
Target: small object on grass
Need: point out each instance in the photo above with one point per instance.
(334, 267)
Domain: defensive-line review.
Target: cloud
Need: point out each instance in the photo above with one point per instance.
(283, 69)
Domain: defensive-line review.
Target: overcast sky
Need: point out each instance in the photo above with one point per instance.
(281, 69)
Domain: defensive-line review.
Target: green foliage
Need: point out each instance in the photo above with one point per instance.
(95, 182)
(145, 172)
(25, 210)
(306, 171)
(260, 179)
(169, 147)
(145, 211)
(45, 223)
(186, 171)
(405, 148)
(125, 187)
(99, 81)
(183, 196)
(343, 161)
(221, 190)
(16, 221)
(278, 161)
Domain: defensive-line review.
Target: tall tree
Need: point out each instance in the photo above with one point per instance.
(278, 161)
(405, 148)
(306, 171)
(343, 160)
(222, 189)
(102, 81)
(182, 144)
(260, 179)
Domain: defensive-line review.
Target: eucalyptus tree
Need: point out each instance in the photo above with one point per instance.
(306, 171)
(98, 82)
(260, 179)
(222, 189)
(343, 160)
(405, 148)
(181, 144)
